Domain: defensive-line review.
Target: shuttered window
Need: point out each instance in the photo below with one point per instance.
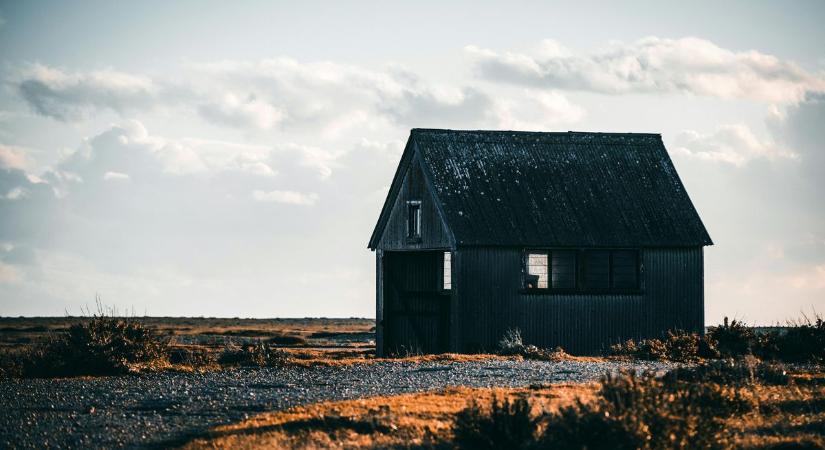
(555, 269)
(615, 270)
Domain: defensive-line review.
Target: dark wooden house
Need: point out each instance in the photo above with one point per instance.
(579, 240)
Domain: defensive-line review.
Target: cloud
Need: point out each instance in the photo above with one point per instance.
(15, 194)
(733, 144)
(537, 111)
(69, 96)
(115, 176)
(250, 112)
(654, 65)
(13, 157)
(8, 274)
(323, 98)
(287, 197)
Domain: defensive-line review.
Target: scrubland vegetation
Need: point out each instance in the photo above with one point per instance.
(738, 388)
(802, 341)
(743, 403)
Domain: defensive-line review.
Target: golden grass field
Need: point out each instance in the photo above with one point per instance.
(785, 414)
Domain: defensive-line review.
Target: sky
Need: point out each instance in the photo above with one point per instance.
(230, 159)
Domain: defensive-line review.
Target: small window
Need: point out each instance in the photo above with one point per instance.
(447, 281)
(536, 277)
(414, 218)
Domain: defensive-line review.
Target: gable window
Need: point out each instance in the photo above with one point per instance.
(582, 270)
(447, 274)
(414, 218)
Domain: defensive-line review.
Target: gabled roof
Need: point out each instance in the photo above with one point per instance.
(554, 189)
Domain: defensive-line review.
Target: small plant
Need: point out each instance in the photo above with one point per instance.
(196, 357)
(507, 425)
(733, 338)
(258, 354)
(511, 343)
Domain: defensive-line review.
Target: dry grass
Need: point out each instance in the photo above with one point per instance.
(793, 413)
(16, 331)
(398, 421)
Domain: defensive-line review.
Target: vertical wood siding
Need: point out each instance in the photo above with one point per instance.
(491, 299)
(433, 231)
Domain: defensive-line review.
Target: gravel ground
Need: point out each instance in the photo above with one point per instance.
(161, 410)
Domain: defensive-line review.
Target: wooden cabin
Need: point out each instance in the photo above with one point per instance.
(579, 240)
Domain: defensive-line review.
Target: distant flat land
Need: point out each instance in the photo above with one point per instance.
(351, 333)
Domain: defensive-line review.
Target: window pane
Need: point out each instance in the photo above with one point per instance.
(537, 270)
(448, 271)
(414, 219)
(563, 269)
(597, 270)
(625, 269)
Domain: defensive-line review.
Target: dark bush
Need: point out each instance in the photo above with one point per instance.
(677, 346)
(745, 371)
(507, 425)
(287, 339)
(190, 356)
(641, 411)
(589, 427)
(258, 354)
(733, 338)
(803, 341)
(100, 345)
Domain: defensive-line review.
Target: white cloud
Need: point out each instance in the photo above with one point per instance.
(288, 197)
(250, 112)
(8, 274)
(13, 157)
(323, 98)
(65, 96)
(115, 176)
(536, 111)
(733, 144)
(15, 194)
(655, 65)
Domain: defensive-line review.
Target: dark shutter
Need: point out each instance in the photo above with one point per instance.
(563, 269)
(625, 266)
(597, 269)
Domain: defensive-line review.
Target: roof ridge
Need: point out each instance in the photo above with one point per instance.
(525, 132)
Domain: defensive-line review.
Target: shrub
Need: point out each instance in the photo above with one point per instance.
(802, 341)
(589, 427)
(732, 338)
(258, 354)
(100, 345)
(190, 356)
(511, 343)
(746, 371)
(641, 411)
(507, 425)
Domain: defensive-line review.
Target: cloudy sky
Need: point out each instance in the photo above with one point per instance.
(211, 159)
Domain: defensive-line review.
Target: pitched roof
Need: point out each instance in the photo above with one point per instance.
(556, 189)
